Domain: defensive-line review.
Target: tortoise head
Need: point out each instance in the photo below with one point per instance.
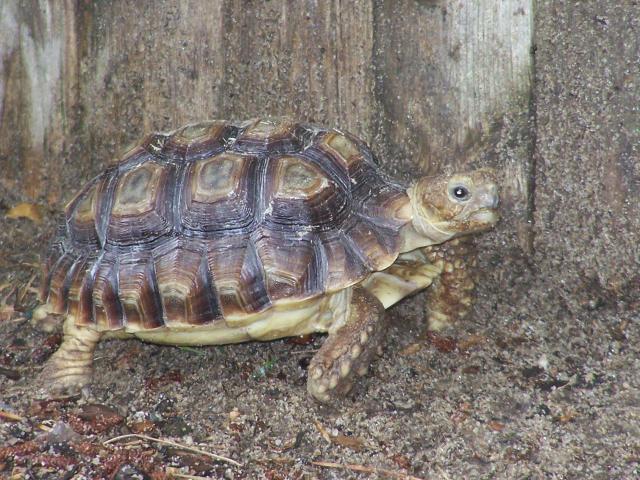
(447, 206)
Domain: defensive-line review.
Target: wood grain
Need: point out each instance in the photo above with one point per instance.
(453, 85)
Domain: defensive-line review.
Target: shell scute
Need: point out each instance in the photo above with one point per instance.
(140, 211)
(60, 280)
(273, 135)
(344, 266)
(220, 194)
(238, 276)
(107, 307)
(300, 196)
(80, 214)
(203, 139)
(291, 264)
(375, 249)
(80, 288)
(138, 292)
(184, 284)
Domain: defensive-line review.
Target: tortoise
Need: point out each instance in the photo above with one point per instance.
(223, 232)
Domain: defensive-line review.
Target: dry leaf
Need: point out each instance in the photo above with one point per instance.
(323, 431)
(355, 443)
(471, 341)
(26, 210)
(495, 425)
(566, 417)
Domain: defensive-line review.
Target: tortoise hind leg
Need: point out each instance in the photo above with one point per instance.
(348, 350)
(70, 367)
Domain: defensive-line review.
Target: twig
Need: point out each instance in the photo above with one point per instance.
(25, 289)
(365, 469)
(188, 477)
(174, 444)
(303, 352)
(323, 431)
(11, 417)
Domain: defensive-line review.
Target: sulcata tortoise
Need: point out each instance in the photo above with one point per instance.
(226, 232)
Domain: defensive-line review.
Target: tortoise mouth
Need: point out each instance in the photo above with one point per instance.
(485, 217)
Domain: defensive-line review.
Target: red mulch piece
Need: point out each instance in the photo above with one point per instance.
(95, 418)
(442, 343)
(168, 377)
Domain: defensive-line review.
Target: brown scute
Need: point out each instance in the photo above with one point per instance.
(107, 309)
(344, 266)
(237, 275)
(310, 201)
(217, 136)
(198, 140)
(184, 285)
(80, 289)
(141, 209)
(291, 264)
(270, 135)
(343, 148)
(58, 282)
(87, 213)
(137, 293)
(212, 206)
(216, 178)
(81, 218)
(223, 219)
(297, 178)
(131, 196)
(137, 190)
(382, 205)
(376, 249)
(104, 200)
(331, 164)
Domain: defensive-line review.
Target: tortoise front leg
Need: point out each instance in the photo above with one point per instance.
(411, 273)
(451, 294)
(71, 366)
(348, 350)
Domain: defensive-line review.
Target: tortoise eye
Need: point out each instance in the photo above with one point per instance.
(460, 193)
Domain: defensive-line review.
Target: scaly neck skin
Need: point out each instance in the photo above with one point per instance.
(418, 232)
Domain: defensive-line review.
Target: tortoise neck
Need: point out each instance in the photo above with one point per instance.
(419, 231)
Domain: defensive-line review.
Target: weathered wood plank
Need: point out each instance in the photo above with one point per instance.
(33, 41)
(454, 82)
(213, 59)
(312, 60)
(97, 75)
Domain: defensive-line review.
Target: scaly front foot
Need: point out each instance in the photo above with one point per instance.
(349, 350)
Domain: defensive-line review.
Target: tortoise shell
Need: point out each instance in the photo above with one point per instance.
(222, 220)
